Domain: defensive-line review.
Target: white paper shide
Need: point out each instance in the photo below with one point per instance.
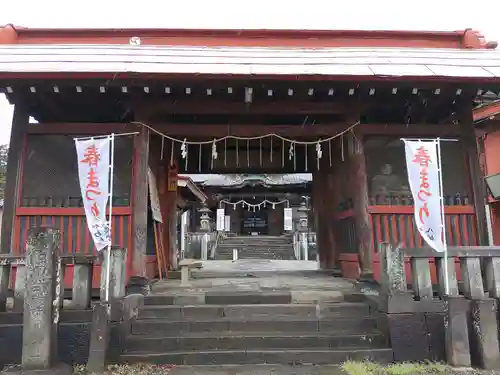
(424, 179)
(94, 166)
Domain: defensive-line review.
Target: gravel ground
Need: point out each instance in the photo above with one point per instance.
(271, 370)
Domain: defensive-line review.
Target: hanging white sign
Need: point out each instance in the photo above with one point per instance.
(424, 178)
(153, 197)
(227, 223)
(94, 166)
(287, 219)
(220, 219)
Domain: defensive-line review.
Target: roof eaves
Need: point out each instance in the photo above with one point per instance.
(483, 112)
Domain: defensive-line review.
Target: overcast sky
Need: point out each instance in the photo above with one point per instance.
(261, 14)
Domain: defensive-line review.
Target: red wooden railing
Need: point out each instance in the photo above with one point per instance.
(75, 236)
(396, 224)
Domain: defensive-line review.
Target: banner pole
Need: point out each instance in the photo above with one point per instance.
(443, 218)
(111, 178)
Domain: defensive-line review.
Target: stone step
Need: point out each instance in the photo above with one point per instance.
(251, 252)
(226, 298)
(249, 341)
(259, 247)
(255, 245)
(163, 327)
(254, 248)
(272, 311)
(257, 256)
(259, 242)
(287, 356)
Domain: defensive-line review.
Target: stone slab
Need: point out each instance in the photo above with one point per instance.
(61, 369)
(316, 296)
(258, 370)
(408, 336)
(457, 332)
(284, 357)
(485, 333)
(99, 338)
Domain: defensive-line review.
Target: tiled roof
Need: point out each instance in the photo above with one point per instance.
(257, 61)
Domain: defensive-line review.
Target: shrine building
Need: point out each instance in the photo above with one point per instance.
(300, 119)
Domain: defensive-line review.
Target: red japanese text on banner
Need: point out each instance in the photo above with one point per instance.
(93, 173)
(423, 176)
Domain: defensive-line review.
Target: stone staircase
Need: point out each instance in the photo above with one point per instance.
(254, 333)
(256, 247)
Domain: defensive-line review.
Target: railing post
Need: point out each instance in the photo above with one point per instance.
(394, 293)
(4, 284)
(452, 277)
(472, 278)
(422, 282)
(41, 303)
(82, 285)
(492, 266)
(19, 287)
(117, 273)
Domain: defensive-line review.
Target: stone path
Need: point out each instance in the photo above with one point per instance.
(305, 285)
(259, 265)
(257, 370)
(256, 274)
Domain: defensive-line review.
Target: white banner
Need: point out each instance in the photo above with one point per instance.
(424, 178)
(287, 219)
(220, 219)
(154, 198)
(94, 166)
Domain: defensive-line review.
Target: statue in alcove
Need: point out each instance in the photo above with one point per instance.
(388, 183)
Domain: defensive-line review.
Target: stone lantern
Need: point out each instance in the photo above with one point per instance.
(303, 214)
(204, 219)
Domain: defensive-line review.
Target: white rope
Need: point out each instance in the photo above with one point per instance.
(348, 129)
(255, 206)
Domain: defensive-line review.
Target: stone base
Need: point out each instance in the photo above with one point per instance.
(367, 277)
(336, 272)
(138, 285)
(60, 369)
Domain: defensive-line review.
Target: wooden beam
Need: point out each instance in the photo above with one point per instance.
(209, 105)
(403, 130)
(14, 173)
(247, 130)
(140, 203)
(82, 129)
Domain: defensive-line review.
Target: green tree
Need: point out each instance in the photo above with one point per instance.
(4, 150)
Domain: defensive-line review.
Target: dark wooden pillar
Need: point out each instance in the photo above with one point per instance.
(334, 181)
(359, 189)
(140, 203)
(324, 201)
(477, 184)
(169, 212)
(318, 202)
(15, 158)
